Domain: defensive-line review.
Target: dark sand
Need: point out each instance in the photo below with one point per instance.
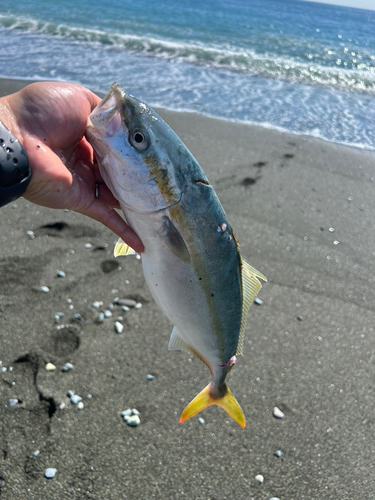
(309, 350)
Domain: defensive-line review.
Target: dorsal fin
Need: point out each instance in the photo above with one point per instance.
(250, 287)
(121, 248)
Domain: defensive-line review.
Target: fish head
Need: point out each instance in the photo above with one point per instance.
(137, 152)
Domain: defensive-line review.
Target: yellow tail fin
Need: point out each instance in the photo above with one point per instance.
(228, 402)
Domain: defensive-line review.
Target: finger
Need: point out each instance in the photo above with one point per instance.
(96, 172)
(104, 195)
(110, 218)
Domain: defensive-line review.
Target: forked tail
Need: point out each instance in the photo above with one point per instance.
(205, 398)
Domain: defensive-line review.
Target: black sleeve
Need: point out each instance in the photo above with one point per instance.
(15, 171)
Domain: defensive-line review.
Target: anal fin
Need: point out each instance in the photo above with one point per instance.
(176, 343)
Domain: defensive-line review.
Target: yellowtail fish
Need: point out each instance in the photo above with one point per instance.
(191, 261)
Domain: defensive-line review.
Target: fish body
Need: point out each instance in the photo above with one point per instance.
(191, 261)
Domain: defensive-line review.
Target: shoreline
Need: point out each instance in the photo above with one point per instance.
(302, 209)
(10, 85)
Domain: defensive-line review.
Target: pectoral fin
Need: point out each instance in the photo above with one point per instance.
(204, 399)
(173, 240)
(121, 248)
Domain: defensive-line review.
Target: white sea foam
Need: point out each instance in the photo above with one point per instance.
(282, 90)
(223, 57)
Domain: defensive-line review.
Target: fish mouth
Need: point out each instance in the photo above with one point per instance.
(108, 113)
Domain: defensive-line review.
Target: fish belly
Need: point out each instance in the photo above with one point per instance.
(199, 305)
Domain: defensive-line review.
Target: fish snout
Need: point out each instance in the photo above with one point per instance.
(107, 113)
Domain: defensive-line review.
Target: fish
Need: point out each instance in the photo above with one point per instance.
(191, 260)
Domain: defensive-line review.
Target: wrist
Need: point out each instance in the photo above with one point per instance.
(15, 171)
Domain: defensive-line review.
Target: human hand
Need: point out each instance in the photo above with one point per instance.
(50, 119)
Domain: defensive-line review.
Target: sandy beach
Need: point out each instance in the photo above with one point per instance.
(302, 210)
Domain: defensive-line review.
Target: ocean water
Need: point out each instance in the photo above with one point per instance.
(303, 67)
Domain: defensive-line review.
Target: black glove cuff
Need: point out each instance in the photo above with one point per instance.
(15, 171)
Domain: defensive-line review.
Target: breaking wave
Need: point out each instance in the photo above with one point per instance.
(321, 70)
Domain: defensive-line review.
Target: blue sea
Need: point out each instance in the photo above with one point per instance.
(292, 65)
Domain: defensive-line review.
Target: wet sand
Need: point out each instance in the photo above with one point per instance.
(302, 210)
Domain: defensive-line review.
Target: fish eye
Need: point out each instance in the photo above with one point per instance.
(139, 139)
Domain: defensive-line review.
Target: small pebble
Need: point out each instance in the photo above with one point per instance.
(31, 235)
(125, 308)
(50, 367)
(100, 318)
(258, 302)
(61, 274)
(274, 498)
(72, 252)
(70, 394)
(89, 396)
(62, 406)
(118, 327)
(259, 479)
(69, 301)
(36, 453)
(2, 482)
(133, 420)
(44, 289)
(201, 420)
(320, 338)
(57, 318)
(126, 413)
(12, 402)
(127, 302)
(300, 318)
(67, 367)
(88, 245)
(96, 304)
(71, 307)
(3, 369)
(110, 306)
(138, 305)
(135, 411)
(278, 413)
(78, 318)
(278, 453)
(50, 473)
(331, 229)
(80, 405)
(150, 377)
(107, 313)
(75, 399)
